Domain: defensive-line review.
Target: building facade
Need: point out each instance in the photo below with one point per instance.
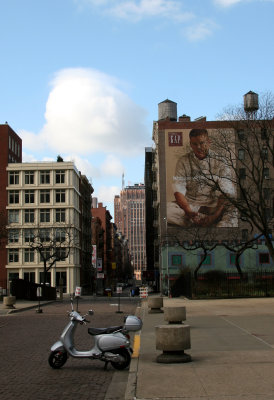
(129, 210)
(45, 205)
(187, 216)
(11, 152)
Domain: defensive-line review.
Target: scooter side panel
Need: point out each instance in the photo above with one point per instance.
(109, 342)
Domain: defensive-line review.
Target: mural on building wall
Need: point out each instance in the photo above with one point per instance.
(191, 200)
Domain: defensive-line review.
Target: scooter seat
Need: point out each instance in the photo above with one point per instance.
(100, 331)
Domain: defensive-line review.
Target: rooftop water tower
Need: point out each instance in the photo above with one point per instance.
(167, 109)
(251, 103)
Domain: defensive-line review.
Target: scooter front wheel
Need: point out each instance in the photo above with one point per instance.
(57, 358)
(126, 359)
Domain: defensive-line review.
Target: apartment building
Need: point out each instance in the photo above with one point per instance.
(45, 201)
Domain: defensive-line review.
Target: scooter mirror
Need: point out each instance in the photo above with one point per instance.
(90, 312)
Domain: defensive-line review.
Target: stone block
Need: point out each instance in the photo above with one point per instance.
(174, 315)
(155, 304)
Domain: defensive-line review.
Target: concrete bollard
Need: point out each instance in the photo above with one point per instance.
(174, 315)
(9, 301)
(173, 340)
(155, 304)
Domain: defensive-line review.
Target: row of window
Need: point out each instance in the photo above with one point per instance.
(177, 259)
(44, 177)
(44, 215)
(242, 173)
(14, 146)
(264, 154)
(29, 255)
(44, 196)
(45, 235)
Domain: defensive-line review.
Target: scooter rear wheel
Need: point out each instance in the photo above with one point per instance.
(57, 358)
(126, 359)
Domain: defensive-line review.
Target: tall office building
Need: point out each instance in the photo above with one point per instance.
(129, 216)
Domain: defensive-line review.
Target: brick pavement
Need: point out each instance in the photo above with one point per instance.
(26, 338)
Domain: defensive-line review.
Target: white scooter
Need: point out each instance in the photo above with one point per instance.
(110, 344)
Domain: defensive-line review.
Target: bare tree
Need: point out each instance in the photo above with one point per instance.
(205, 240)
(246, 148)
(52, 245)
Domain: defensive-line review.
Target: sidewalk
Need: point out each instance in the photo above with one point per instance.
(22, 305)
(232, 344)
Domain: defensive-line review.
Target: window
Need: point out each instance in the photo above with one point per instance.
(241, 135)
(44, 196)
(264, 258)
(264, 153)
(264, 134)
(60, 215)
(13, 196)
(266, 173)
(232, 259)
(266, 192)
(44, 177)
(60, 196)
(177, 259)
(241, 154)
(13, 216)
(45, 215)
(29, 276)
(14, 178)
(29, 255)
(29, 216)
(61, 253)
(207, 260)
(44, 235)
(29, 177)
(244, 234)
(14, 236)
(29, 235)
(13, 255)
(29, 196)
(48, 277)
(60, 176)
(60, 235)
(242, 174)
(45, 255)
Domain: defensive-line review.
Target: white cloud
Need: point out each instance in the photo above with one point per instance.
(85, 113)
(112, 166)
(140, 9)
(200, 31)
(107, 193)
(226, 3)
(137, 10)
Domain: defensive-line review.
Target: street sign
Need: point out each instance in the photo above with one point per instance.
(119, 289)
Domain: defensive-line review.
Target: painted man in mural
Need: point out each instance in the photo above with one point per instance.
(197, 203)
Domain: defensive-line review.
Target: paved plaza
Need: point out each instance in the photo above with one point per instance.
(26, 338)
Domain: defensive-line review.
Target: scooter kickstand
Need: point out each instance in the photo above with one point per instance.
(106, 365)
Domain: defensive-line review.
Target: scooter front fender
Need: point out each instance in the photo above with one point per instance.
(57, 346)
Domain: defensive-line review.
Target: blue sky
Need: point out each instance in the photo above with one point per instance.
(83, 78)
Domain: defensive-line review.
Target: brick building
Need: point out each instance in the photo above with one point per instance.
(11, 152)
(174, 231)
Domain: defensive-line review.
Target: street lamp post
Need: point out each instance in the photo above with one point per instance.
(167, 258)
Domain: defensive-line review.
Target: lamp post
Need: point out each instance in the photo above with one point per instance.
(167, 258)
